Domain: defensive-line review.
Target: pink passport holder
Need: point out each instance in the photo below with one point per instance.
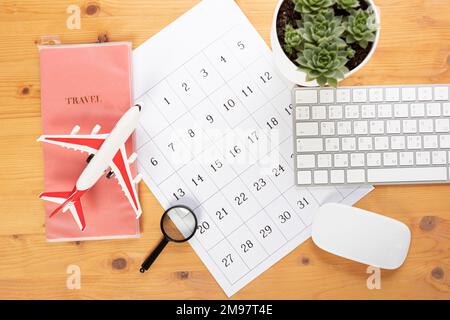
(85, 85)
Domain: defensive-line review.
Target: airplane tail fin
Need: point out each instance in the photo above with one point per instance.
(67, 200)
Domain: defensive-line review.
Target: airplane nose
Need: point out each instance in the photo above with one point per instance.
(139, 106)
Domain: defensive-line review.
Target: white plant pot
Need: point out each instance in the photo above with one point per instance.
(289, 70)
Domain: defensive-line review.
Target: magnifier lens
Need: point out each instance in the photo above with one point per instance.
(179, 224)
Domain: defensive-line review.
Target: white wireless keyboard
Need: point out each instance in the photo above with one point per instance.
(373, 135)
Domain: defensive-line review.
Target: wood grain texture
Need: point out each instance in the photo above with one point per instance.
(414, 48)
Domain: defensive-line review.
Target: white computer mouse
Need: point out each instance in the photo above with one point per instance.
(361, 235)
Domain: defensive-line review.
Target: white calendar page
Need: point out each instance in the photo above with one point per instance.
(216, 135)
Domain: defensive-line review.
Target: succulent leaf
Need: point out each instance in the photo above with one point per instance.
(347, 5)
(361, 27)
(324, 63)
(312, 6)
(292, 40)
(322, 28)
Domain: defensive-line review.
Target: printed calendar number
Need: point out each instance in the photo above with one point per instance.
(216, 165)
(265, 232)
(210, 118)
(265, 77)
(204, 73)
(277, 171)
(303, 203)
(196, 181)
(241, 45)
(191, 133)
(235, 151)
(247, 91)
(153, 161)
(230, 104)
(253, 137)
(246, 246)
(272, 123)
(227, 260)
(179, 194)
(185, 86)
(241, 198)
(203, 227)
(285, 216)
(261, 183)
(222, 213)
(167, 101)
(288, 109)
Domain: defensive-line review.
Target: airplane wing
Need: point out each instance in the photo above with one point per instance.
(121, 168)
(75, 208)
(89, 143)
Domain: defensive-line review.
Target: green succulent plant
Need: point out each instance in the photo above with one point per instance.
(347, 5)
(361, 27)
(292, 40)
(324, 63)
(322, 28)
(312, 6)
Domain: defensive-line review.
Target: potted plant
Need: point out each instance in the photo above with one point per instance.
(320, 42)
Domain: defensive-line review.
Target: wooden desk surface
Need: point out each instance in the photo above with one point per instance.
(414, 48)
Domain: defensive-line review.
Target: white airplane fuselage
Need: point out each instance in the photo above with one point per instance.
(101, 161)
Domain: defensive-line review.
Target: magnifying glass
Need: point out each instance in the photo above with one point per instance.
(178, 224)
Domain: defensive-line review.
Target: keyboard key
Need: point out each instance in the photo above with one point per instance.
(444, 141)
(351, 111)
(306, 96)
(393, 126)
(337, 176)
(430, 142)
(304, 177)
(324, 160)
(446, 109)
(439, 157)
(376, 127)
(321, 176)
(348, 144)
(425, 93)
(401, 110)
(398, 143)
(357, 160)
(342, 95)
(384, 111)
(374, 159)
(381, 143)
(426, 125)
(442, 125)
(406, 158)
(365, 143)
(375, 94)
(409, 94)
(359, 95)
(414, 142)
(306, 161)
(360, 127)
(356, 176)
(390, 158)
(441, 93)
(302, 113)
(326, 96)
(332, 144)
(307, 129)
(344, 128)
(309, 145)
(433, 109)
(423, 158)
(319, 112)
(392, 94)
(368, 111)
(341, 160)
(407, 174)
(417, 109)
(409, 126)
(335, 112)
(327, 129)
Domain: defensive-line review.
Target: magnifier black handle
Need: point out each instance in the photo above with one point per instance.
(152, 257)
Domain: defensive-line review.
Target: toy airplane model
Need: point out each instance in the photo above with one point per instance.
(106, 154)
